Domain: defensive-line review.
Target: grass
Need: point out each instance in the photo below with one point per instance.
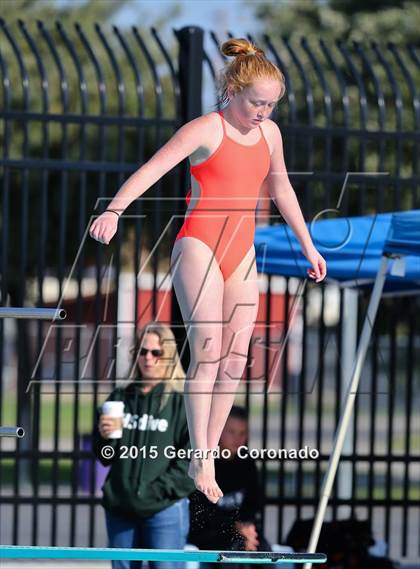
(45, 471)
(86, 417)
(47, 412)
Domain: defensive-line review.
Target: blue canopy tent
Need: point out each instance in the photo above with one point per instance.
(378, 251)
(352, 247)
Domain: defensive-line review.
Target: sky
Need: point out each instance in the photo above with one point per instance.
(218, 15)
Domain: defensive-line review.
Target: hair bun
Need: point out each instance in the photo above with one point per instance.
(242, 72)
(240, 46)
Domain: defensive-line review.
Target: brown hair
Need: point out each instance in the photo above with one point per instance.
(174, 375)
(249, 64)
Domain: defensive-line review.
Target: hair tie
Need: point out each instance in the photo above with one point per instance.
(112, 211)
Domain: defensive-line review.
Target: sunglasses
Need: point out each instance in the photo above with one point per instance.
(155, 353)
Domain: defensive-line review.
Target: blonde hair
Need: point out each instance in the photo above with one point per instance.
(248, 65)
(174, 374)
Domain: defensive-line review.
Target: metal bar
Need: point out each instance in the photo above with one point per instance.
(93, 166)
(190, 66)
(16, 432)
(399, 111)
(64, 97)
(409, 408)
(388, 533)
(5, 217)
(42, 217)
(318, 377)
(355, 457)
(363, 114)
(5, 206)
(38, 552)
(99, 253)
(378, 503)
(375, 346)
(175, 83)
(125, 312)
(282, 485)
(290, 88)
(307, 152)
(327, 99)
(301, 297)
(64, 209)
(267, 340)
(33, 313)
(415, 101)
(18, 264)
(120, 149)
(93, 119)
(83, 98)
(141, 122)
(139, 87)
(344, 144)
(158, 103)
(382, 114)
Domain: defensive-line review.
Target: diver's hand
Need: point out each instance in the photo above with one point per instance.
(104, 227)
(319, 266)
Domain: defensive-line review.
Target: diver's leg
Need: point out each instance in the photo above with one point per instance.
(240, 308)
(198, 285)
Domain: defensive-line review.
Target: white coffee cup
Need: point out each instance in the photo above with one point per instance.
(114, 409)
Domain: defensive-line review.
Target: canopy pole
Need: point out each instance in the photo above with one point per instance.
(348, 407)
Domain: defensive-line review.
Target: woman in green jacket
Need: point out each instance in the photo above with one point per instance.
(145, 495)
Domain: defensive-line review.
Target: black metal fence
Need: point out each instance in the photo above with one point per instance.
(82, 109)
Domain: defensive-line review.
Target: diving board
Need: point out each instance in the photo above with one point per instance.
(114, 554)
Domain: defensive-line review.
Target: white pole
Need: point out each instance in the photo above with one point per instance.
(348, 356)
(126, 322)
(349, 403)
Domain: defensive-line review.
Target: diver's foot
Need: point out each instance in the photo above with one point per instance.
(201, 470)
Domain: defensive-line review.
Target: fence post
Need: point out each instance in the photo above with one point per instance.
(190, 73)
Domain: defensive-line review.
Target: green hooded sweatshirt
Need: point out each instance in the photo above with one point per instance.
(145, 481)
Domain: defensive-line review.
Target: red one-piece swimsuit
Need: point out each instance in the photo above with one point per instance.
(224, 214)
